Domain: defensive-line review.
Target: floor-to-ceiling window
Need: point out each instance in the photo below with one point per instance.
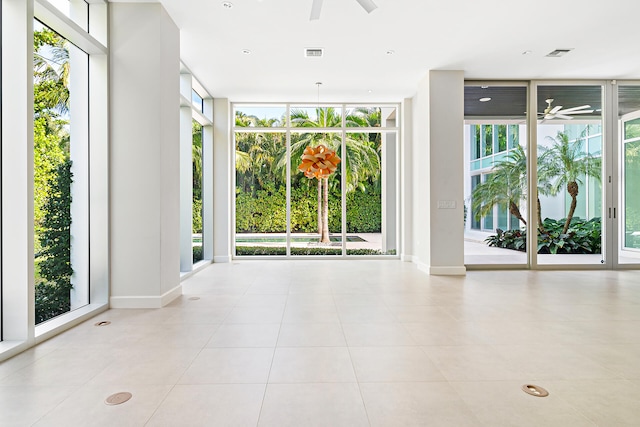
(54, 150)
(315, 180)
(495, 167)
(196, 172)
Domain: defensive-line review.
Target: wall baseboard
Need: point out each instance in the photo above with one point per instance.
(146, 301)
(448, 271)
(222, 259)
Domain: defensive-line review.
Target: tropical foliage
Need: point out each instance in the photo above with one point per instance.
(564, 164)
(582, 237)
(261, 165)
(52, 175)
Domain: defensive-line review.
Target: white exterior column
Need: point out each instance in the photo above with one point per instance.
(222, 158)
(145, 156)
(186, 177)
(437, 166)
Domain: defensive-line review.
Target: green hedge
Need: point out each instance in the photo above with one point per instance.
(270, 250)
(265, 212)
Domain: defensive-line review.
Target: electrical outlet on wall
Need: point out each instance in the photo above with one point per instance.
(446, 204)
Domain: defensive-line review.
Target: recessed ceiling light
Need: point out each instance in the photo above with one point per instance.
(484, 99)
(559, 52)
(391, 52)
(246, 51)
(227, 4)
(369, 91)
(484, 87)
(527, 52)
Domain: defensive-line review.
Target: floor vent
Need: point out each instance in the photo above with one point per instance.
(118, 398)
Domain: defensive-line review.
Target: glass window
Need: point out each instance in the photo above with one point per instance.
(475, 142)
(475, 218)
(487, 134)
(267, 116)
(292, 202)
(632, 129)
(60, 175)
(502, 138)
(197, 206)
(514, 136)
(197, 101)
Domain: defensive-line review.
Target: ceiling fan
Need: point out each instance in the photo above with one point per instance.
(316, 6)
(558, 113)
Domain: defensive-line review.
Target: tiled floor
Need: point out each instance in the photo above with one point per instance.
(347, 343)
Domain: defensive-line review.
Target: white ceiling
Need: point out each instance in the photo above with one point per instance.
(485, 38)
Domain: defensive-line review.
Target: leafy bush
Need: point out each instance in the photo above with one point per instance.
(270, 250)
(52, 293)
(265, 211)
(196, 207)
(197, 254)
(583, 237)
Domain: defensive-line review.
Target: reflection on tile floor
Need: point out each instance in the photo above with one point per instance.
(346, 343)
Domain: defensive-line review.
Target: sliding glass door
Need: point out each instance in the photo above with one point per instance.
(570, 164)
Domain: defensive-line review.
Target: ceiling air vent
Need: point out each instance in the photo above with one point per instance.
(558, 53)
(313, 52)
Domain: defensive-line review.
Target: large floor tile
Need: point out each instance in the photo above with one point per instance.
(311, 405)
(311, 365)
(311, 335)
(210, 405)
(391, 364)
(377, 334)
(604, 402)
(245, 335)
(229, 366)
(503, 403)
(415, 404)
(86, 407)
(471, 362)
(22, 405)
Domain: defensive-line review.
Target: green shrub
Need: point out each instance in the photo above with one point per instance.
(197, 215)
(52, 292)
(197, 254)
(583, 237)
(265, 211)
(270, 250)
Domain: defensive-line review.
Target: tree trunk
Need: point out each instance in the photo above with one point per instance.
(319, 207)
(515, 211)
(325, 213)
(572, 189)
(540, 225)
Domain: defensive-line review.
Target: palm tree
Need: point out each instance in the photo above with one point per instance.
(565, 164)
(507, 185)
(361, 154)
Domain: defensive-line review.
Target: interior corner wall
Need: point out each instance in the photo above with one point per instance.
(437, 162)
(145, 152)
(223, 226)
(406, 181)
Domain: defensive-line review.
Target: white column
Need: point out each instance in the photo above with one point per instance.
(79, 154)
(186, 177)
(406, 180)
(389, 179)
(207, 184)
(145, 153)
(222, 165)
(438, 173)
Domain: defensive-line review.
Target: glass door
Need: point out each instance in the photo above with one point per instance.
(570, 135)
(629, 212)
(495, 174)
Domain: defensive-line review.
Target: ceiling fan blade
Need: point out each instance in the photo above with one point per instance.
(368, 5)
(572, 109)
(562, 117)
(576, 112)
(555, 109)
(316, 7)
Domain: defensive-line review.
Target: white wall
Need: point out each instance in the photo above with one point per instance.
(437, 162)
(145, 170)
